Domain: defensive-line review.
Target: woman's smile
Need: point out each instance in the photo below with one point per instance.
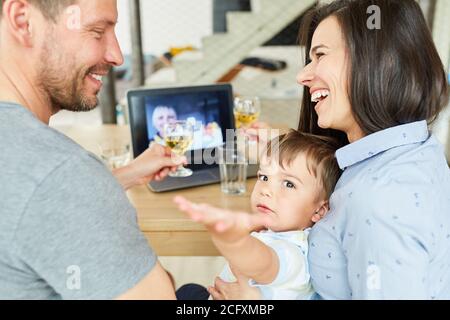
(319, 104)
(318, 96)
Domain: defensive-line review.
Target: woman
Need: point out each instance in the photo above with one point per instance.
(388, 236)
(162, 115)
(388, 233)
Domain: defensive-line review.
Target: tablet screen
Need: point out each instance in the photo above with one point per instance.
(211, 106)
(204, 108)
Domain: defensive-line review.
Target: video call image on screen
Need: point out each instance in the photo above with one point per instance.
(204, 108)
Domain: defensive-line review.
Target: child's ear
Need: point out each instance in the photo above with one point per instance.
(321, 212)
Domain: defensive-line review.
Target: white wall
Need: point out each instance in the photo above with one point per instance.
(167, 23)
(442, 40)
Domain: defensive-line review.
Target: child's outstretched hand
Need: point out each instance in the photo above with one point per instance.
(224, 225)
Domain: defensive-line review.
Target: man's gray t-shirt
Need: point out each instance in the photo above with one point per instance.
(67, 228)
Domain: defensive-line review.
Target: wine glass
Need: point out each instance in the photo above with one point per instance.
(179, 137)
(246, 111)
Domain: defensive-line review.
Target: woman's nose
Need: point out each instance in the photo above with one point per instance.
(306, 75)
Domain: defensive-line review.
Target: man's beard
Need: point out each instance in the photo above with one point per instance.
(64, 83)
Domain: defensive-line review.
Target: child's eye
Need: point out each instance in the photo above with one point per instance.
(262, 177)
(288, 184)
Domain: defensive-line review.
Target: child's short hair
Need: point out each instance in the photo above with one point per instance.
(319, 152)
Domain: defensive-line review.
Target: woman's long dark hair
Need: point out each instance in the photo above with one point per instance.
(396, 75)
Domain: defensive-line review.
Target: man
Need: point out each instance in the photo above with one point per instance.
(67, 229)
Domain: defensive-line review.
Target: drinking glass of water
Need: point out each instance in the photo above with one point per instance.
(233, 167)
(115, 153)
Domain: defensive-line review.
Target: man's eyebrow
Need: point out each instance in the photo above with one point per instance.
(102, 22)
(314, 49)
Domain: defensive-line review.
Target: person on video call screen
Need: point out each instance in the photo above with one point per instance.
(207, 134)
(162, 115)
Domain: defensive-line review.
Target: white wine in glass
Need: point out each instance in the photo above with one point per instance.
(246, 111)
(179, 137)
(179, 144)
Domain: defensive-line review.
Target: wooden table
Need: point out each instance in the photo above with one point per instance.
(172, 234)
(169, 232)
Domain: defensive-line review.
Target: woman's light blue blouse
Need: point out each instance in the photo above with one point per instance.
(387, 235)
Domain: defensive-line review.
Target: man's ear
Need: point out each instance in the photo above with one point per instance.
(321, 211)
(17, 17)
